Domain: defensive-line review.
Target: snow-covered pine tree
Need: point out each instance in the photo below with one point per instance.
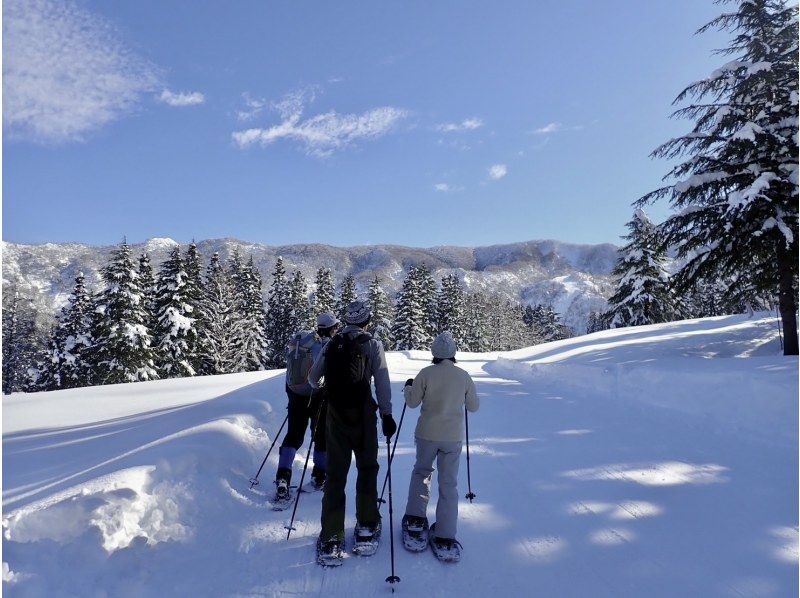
(72, 341)
(595, 322)
(475, 323)
(21, 342)
(409, 328)
(278, 324)
(147, 283)
(381, 325)
(547, 324)
(324, 297)
(194, 296)
(347, 294)
(428, 292)
(450, 309)
(643, 294)
(302, 317)
(736, 190)
(224, 328)
(255, 342)
(175, 332)
(123, 349)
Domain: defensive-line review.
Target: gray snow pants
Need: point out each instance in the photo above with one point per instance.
(448, 456)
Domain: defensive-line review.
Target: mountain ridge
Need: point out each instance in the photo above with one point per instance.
(572, 277)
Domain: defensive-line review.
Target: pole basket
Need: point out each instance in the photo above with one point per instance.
(470, 496)
(253, 483)
(391, 580)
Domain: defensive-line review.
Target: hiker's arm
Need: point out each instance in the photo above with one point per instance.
(317, 370)
(471, 399)
(413, 393)
(380, 374)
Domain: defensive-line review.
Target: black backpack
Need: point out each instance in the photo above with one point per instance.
(346, 374)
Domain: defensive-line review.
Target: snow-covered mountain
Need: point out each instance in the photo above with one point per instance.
(654, 461)
(573, 278)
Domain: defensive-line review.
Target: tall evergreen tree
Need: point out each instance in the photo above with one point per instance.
(427, 300)
(194, 298)
(279, 322)
(410, 327)
(122, 350)
(255, 342)
(324, 298)
(643, 294)
(72, 341)
(148, 285)
(736, 190)
(224, 328)
(302, 318)
(21, 344)
(175, 331)
(450, 309)
(347, 294)
(475, 323)
(381, 325)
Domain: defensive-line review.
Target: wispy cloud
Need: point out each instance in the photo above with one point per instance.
(180, 99)
(555, 127)
(446, 188)
(497, 171)
(468, 124)
(66, 72)
(323, 134)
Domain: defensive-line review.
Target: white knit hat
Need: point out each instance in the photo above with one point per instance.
(326, 320)
(444, 346)
(357, 312)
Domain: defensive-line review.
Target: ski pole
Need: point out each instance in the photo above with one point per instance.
(290, 527)
(392, 579)
(470, 495)
(394, 447)
(254, 480)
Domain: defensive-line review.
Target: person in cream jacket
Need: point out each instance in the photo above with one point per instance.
(444, 390)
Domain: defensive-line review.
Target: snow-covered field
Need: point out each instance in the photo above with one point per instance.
(655, 461)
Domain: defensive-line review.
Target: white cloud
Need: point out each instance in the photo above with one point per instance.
(468, 124)
(447, 188)
(181, 98)
(555, 127)
(66, 72)
(548, 128)
(324, 133)
(497, 171)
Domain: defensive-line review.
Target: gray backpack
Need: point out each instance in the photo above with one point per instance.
(299, 359)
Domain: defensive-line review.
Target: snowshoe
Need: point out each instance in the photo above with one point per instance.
(415, 533)
(283, 496)
(330, 553)
(366, 539)
(447, 550)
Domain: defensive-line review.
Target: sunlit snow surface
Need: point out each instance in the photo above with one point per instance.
(652, 461)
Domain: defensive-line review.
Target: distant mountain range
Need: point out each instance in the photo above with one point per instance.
(574, 279)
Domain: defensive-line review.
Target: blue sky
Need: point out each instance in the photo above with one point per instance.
(415, 123)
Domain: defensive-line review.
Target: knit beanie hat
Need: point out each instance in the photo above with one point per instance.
(357, 312)
(444, 346)
(326, 320)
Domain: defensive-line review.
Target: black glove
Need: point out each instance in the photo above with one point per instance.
(388, 425)
(410, 381)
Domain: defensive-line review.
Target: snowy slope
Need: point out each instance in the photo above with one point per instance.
(533, 271)
(655, 461)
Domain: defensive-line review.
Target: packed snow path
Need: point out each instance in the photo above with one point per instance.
(658, 461)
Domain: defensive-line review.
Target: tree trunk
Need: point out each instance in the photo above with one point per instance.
(787, 302)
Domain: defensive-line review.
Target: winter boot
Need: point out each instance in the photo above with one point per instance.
(366, 538)
(330, 553)
(447, 550)
(283, 492)
(415, 533)
(317, 478)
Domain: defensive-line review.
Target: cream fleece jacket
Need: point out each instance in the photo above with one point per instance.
(443, 390)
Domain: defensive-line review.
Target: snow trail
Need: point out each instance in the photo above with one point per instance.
(590, 481)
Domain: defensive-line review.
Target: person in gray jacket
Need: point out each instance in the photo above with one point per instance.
(443, 390)
(348, 363)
